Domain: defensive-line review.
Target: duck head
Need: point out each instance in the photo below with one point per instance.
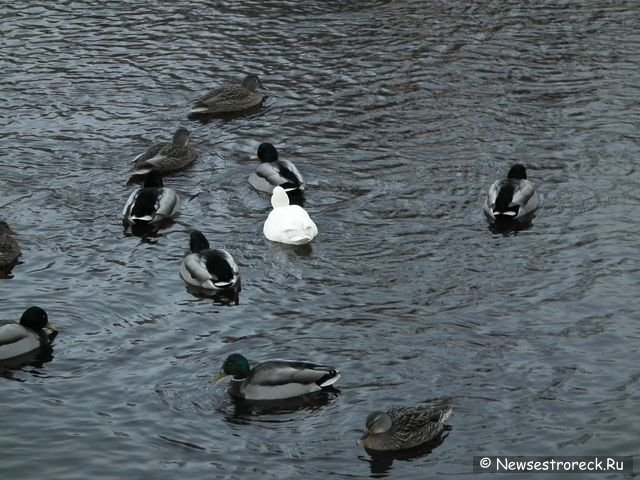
(181, 137)
(518, 172)
(251, 82)
(236, 366)
(198, 242)
(153, 180)
(377, 422)
(36, 319)
(266, 153)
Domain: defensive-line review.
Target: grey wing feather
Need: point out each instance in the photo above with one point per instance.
(148, 154)
(270, 174)
(126, 211)
(279, 372)
(525, 196)
(11, 333)
(493, 192)
(168, 203)
(196, 266)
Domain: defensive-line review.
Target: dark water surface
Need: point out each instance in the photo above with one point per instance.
(399, 115)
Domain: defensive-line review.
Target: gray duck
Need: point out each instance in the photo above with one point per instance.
(167, 157)
(230, 98)
(33, 331)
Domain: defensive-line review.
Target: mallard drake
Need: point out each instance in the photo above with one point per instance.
(272, 172)
(207, 268)
(33, 331)
(404, 427)
(9, 248)
(288, 223)
(167, 157)
(151, 204)
(513, 198)
(230, 98)
(275, 379)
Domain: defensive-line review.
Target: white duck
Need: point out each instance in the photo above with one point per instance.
(210, 269)
(151, 204)
(288, 223)
(33, 332)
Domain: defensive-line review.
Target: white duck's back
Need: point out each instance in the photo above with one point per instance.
(288, 223)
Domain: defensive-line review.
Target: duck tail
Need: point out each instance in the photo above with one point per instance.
(195, 109)
(143, 219)
(329, 379)
(301, 238)
(141, 171)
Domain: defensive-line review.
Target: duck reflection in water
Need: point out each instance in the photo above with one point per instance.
(35, 359)
(230, 296)
(310, 402)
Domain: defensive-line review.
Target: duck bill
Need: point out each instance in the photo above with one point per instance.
(51, 327)
(218, 377)
(361, 440)
(253, 157)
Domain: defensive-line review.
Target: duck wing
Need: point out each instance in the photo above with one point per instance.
(228, 98)
(223, 269)
(167, 203)
(11, 333)
(150, 205)
(525, 197)
(416, 425)
(213, 269)
(16, 340)
(281, 372)
(149, 154)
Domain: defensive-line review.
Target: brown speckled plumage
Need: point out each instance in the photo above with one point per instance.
(404, 427)
(9, 248)
(167, 156)
(230, 98)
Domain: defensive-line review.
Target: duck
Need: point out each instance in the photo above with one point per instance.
(167, 157)
(513, 198)
(151, 204)
(211, 269)
(33, 331)
(230, 98)
(272, 172)
(275, 379)
(9, 248)
(403, 428)
(288, 223)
